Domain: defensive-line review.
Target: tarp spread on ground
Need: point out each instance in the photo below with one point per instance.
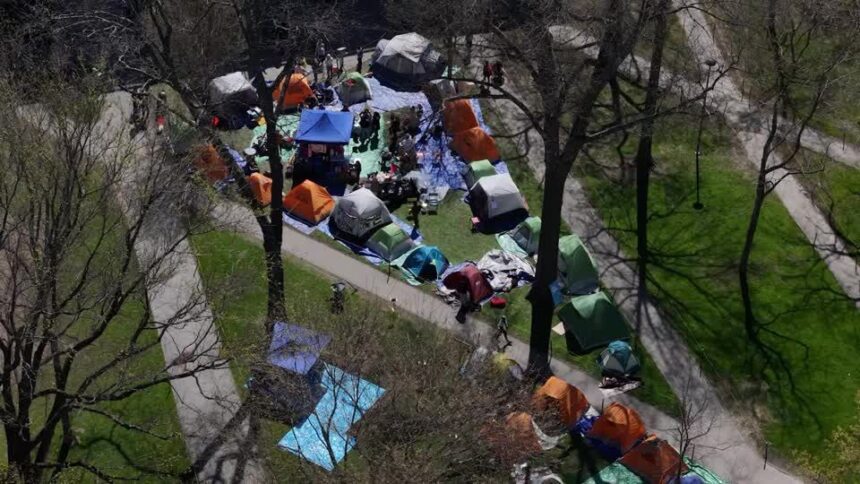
(287, 125)
(346, 400)
(309, 202)
(614, 473)
(523, 240)
(591, 322)
(422, 264)
(390, 242)
(296, 348)
(357, 215)
(655, 461)
(406, 61)
(324, 127)
(467, 279)
(568, 400)
(354, 89)
(505, 271)
(576, 266)
(618, 429)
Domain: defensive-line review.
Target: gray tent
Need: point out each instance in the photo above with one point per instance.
(232, 92)
(357, 215)
(406, 61)
(494, 196)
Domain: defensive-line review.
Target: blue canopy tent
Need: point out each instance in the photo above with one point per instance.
(325, 127)
(295, 348)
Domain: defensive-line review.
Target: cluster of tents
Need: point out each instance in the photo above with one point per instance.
(617, 434)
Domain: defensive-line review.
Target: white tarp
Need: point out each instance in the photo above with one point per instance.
(360, 212)
(496, 195)
(505, 271)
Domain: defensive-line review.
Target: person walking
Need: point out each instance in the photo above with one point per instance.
(359, 57)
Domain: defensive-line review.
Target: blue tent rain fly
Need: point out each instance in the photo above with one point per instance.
(325, 127)
(295, 348)
(426, 263)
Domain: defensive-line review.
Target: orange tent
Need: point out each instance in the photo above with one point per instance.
(210, 163)
(298, 90)
(459, 116)
(570, 402)
(475, 144)
(308, 201)
(261, 187)
(655, 461)
(514, 440)
(619, 427)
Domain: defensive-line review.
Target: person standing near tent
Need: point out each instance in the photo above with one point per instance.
(329, 66)
(488, 71)
(498, 73)
(414, 214)
(359, 57)
(375, 124)
(364, 120)
(394, 129)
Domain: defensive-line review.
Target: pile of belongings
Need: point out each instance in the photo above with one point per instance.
(505, 271)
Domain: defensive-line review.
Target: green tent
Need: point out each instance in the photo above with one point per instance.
(527, 234)
(390, 242)
(354, 89)
(591, 322)
(576, 266)
(478, 170)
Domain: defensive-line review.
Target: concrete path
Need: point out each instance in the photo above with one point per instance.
(724, 449)
(751, 132)
(206, 402)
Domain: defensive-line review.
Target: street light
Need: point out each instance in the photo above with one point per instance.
(710, 63)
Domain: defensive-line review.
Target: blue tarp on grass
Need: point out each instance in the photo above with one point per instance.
(296, 348)
(346, 400)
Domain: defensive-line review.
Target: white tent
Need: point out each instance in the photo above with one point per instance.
(406, 60)
(357, 215)
(234, 89)
(494, 196)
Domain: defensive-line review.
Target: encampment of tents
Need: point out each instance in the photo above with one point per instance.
(354, 89)
(261, 187)
(357, 215)
(568, 400)
(616, 431)
(618, 360)
(655, 461)
(468, 279)
(591, 322)
(475, 144)
(477, 170)
(576, 266)
(209, 163)
(406, 61)
(497, 202)
(231, 93)
(309, 202)
(390, 242)
(325, 127)
(425, 263)
(298, 90)
(458, 116)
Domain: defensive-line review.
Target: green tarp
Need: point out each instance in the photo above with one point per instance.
(577, 269)
(615, 474)
(592, 322)
(478, 170)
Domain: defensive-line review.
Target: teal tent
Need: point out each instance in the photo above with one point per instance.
(425, 263)
(618, 360)
(577, 269)
(591, 322)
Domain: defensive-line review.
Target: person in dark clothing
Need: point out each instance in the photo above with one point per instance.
(375, 124)
(498, 73)
(359, 57)
(488, 71)
(415, 213)
(394, 132)
(364, 123)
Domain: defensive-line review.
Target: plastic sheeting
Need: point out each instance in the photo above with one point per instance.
(505, 271)
(346, 400)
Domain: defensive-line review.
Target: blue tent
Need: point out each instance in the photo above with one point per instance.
(325, 127)
(295, 348)
(618, 360)
(426, 263)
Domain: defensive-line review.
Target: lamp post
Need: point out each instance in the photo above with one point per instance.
(710, 63)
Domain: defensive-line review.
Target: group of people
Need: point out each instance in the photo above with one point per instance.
(368, 125)
(494, 73)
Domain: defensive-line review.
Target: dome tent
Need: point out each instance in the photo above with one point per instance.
(655, 461)
(616, 431)
(475, 144)
(567, 399)
(309, 202)
(261, 187)
(497, 202)
(231, 94)
(576, 266)
(618, 360)
(354, 89)
(357, 215)
(390, 242)
(527, 234)
(298, 90)
(458, 116)
(478, 170)
(591, 322)
(468, 279)
(425, 263)
(406, 61)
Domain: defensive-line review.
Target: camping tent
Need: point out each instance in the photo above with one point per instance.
(357, 215)
(209, 163)
(426, 263)
(527, 234)
(591, 322)
(390, 242)
(475, 144)
(309, 202)
(567, 399)
(261, 187)
(325, 127)
(478, 170)
(406, 61)
(576, 266)
(496, 196)
(231, 93)
(618, 360)
(468, 279)
(655, 461)
(298, 90)
(614, 473)
(459, 116)
(354, 89)
(616, 431)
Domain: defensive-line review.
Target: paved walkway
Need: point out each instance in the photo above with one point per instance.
(209, 400)
(751, 132)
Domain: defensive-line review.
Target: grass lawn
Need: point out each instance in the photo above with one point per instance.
(695, 282)
(400, 350)
(836, 191)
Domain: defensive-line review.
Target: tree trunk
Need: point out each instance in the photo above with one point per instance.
(750, 324)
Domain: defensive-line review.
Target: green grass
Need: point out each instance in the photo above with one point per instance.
(695, 283)
(836, 191)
